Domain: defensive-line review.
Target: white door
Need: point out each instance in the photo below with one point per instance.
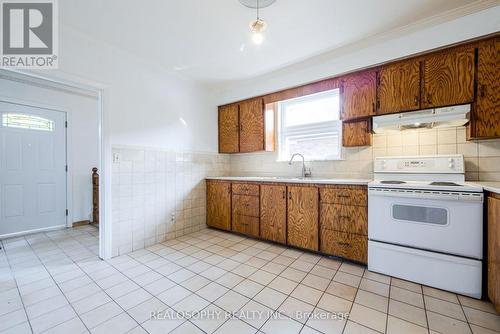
(32, 169)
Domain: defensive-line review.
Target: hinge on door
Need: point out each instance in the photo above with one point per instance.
(67, 212)
(66, 168)
(65, 124)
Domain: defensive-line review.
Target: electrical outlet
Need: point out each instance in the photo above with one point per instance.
(116, 157)
(172, 217)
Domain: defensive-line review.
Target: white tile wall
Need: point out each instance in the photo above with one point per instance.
(482, 157)
(159, 195)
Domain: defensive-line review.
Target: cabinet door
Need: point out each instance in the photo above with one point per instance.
(303, 217)
(252, 125)
(347, 245)
(273, 212)
(359, 95)
(399, 87)
(356, 133)
(228, 129)
(448, 78)
(486, 116)
(344, 218)
(494, 251)
(219, 204)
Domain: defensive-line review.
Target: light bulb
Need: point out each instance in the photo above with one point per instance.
(257, 38)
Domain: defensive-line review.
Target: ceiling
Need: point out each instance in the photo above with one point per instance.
(210, 41)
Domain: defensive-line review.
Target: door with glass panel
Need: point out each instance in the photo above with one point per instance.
(32, 169)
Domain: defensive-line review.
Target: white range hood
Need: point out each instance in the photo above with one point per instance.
(429, 118)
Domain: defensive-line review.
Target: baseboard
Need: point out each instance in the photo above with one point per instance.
(23, 233)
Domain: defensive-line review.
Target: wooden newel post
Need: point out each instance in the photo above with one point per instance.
(95, 196)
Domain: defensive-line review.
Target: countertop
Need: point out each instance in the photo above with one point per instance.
(493, 187)
(309, 180)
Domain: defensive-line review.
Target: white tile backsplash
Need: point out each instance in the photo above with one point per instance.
(482, 158)
(158, 195)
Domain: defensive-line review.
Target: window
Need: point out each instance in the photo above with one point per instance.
(27, 122)
(311, 125)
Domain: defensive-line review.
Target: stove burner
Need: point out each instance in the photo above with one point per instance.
(392, 182)
(453, 184)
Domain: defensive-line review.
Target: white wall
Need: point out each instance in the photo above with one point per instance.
(374, 51)
(143, 102)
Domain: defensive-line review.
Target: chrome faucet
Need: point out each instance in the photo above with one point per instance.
(306, 172)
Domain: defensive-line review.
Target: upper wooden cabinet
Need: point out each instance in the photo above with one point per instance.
(303, 217)
(252, 125)
(359, 93)
(448, 77)
(219, 204)
(357, 133)
(246, 127)
(273, 212)
(229, 133)
(485, 120)
(398, 87)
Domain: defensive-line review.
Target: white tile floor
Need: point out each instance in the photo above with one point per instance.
(54, 283)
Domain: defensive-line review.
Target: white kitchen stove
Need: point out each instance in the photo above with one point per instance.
(425, 223)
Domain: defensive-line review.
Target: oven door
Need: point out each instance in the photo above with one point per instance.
(446, 222)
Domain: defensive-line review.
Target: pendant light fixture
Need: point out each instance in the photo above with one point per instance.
(257, 26)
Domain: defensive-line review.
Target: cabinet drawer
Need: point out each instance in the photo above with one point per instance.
(344, 218)
(246, 189)
(245, 224)
(246, 205)
(346, 245)
(344, 195)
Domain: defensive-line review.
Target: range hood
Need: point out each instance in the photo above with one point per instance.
(428, 118)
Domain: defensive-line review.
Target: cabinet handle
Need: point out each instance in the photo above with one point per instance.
(429, 98)
(343, 244)
(345, 217)
(415, 100)
(241, 127)
(373, 108)
(482, 91)
(343, 196)
(290, 195)
(284, 195)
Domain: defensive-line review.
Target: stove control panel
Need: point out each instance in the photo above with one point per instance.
(446, 164)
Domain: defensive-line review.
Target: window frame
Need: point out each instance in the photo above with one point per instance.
(304, 130)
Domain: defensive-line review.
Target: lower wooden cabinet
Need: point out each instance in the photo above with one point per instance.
(344, 218)
(347, 245)
(327, 218)
(494, 250)
(303, 217)
(344, 222)
(273, 212)
(219, 204)
(246, 208)
(246, 224)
